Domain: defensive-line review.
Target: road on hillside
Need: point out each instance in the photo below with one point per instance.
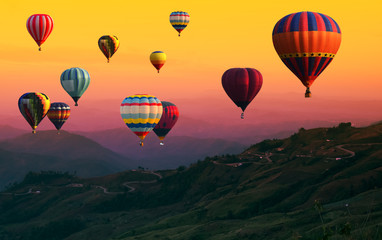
(22, 194)
(352, 154)
(237, 164)
(132, 189)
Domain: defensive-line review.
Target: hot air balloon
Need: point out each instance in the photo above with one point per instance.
(158, 58)
(141, 112)
(169, 117)
(58, 113)
(306, 42)
(179, 20)
(108, 45)
(75, 81)
(39, 27)
(242, 85)
(34, 106)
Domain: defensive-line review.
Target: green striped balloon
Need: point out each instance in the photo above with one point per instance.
(75, 81)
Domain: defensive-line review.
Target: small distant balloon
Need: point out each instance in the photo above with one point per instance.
(75, 81)
(158, 59)
(179, 20)
(306, 42)
(34, 107)
(242, 85)
(141, 113)
(58, 113)
(108, 44)
(39, 27)
(169, 117)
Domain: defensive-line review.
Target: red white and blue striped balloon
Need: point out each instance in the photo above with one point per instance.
(39, 27)
(179, 20)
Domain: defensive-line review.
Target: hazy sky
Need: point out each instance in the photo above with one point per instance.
(220, 35)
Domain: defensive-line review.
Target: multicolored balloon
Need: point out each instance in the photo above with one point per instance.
(34, 107)
(58, 113)
(109, 45)
(306, 42)
(179, 20)
(169, 117)
(158, 59)
(141, 112)
(75, 81)
(39, 27)
(242, 85)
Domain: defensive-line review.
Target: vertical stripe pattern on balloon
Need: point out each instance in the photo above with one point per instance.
(75, 81)
(169, 117)
(109, 45)
(39, 27)
(34, 107)
(306, 42)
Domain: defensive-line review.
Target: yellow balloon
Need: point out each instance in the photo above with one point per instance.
(158, 58)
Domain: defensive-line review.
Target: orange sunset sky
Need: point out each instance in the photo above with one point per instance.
(220, 35)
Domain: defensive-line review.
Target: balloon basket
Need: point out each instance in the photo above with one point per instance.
(242, 115)
(161, 143)
(308, 94)
(141, 143)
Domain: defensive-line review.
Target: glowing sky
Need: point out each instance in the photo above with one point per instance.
(221, 35)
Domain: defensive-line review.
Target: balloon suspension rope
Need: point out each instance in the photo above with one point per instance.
(161, 143)
(242, 115)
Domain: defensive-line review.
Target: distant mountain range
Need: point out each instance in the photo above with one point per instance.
(46, 150)
(176, 151)
(323, 183)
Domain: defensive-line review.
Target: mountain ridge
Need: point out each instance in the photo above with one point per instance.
(269, 191)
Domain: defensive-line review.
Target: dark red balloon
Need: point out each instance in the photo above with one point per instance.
(169, 117)
(242, 85)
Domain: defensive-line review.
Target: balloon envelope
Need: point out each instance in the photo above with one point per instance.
(34, 107)
(39, 27)
(58, 113)
(108, 45)
(169, 117)
(306, 42)
(158, 59)
(141, 112)
(242, 85)
(75, 81)
(179, 20)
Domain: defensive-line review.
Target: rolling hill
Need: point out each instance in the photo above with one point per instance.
(65, 152)
(323, 183)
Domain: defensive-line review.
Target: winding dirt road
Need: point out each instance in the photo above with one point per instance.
(352, 154)
(132, 189)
